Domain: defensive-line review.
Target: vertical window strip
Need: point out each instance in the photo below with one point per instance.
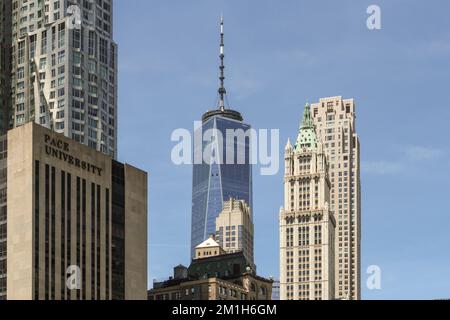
(47, 227)
(53, 233)
(78, 229)
(98, 278)
(84, 236)
(107, 245)
(69, 228)
(36, 229)
(63, 235)
(93, 241)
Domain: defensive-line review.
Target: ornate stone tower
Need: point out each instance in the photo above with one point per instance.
(306, 223)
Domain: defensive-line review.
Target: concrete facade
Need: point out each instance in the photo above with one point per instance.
(63, 213)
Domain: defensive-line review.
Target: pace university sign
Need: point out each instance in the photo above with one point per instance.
(59, 149)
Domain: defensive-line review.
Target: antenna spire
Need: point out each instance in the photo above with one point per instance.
(222, 90)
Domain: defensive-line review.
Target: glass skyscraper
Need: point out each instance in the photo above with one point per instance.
(217, 181)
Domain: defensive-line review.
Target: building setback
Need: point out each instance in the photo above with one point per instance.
(335, 121)
(72, 211)
(307, 224)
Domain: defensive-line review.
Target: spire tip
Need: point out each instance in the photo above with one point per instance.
(222, 90)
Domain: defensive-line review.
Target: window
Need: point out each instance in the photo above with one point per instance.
(21, 52)
(76, 57)
(20, 119)
(20, 97)
(61, 33)
(61, 56)
(20, 73)
(42, 63)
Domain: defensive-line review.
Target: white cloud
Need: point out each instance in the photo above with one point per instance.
(423, 153)
(382, 167)
(407, 163)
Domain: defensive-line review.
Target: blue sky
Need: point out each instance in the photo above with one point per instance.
(280, 54)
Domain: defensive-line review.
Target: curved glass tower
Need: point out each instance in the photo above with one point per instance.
(216, 181)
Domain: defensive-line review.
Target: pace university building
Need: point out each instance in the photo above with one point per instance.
(76, 221)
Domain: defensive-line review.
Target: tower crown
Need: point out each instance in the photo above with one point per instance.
(307, 138)
(222, 92)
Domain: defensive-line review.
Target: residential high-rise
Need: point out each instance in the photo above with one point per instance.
(64, 69)
(234, 229)
(307, 224)
(335, 120)
(5, 63)
(222, 168)
(77, 220)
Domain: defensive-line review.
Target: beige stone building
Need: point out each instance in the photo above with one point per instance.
(234, 229)
(335, 121)
(240, 288)
(307, 224)
(208, 248)
(77, 221)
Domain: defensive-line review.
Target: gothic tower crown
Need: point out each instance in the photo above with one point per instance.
(307, 138)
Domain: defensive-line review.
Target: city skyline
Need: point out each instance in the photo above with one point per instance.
(278, 57)
(276, 62)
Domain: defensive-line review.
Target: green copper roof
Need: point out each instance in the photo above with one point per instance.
(307, 138)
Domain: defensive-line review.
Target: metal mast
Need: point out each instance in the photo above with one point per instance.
(222, 90)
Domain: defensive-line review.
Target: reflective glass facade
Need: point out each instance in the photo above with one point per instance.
(217, 181)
